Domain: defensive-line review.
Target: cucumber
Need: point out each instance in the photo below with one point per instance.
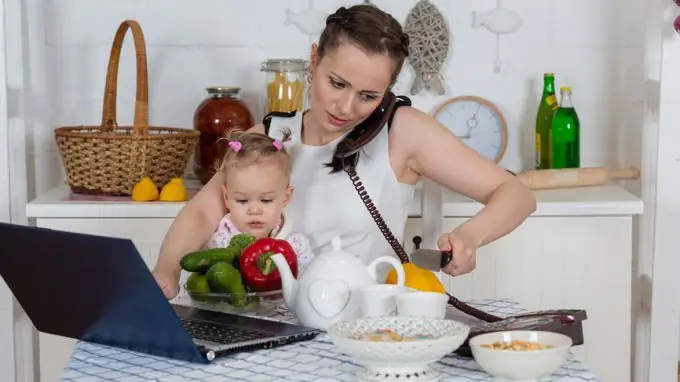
(201, 261)
(225, 278)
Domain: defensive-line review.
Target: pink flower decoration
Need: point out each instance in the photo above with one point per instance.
(235, 145)
(277, 143)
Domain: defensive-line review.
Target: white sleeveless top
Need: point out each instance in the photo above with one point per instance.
(326, 205)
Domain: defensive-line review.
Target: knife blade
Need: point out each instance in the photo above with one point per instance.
(431, 259)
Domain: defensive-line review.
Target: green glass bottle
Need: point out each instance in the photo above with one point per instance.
(565, 134)
(544, 117)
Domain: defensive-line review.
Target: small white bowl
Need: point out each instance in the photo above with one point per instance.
(521, 365)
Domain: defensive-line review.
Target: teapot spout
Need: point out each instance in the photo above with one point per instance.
(289, 284)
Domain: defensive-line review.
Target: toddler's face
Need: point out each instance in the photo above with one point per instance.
(256, 195)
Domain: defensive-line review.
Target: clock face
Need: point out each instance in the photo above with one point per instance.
(477, 123)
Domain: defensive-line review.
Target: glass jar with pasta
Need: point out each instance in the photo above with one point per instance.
(285, 82)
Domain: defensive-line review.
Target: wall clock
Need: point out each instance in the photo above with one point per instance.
(478, 123)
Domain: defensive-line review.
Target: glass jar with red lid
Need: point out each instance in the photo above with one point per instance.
(221, 111)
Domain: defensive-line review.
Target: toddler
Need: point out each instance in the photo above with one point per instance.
(257, 170)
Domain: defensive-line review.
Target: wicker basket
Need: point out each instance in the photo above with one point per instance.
(110, 159)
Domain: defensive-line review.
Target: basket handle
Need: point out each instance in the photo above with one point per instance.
(141, 119)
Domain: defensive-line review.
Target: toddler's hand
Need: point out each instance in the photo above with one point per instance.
(168, 282)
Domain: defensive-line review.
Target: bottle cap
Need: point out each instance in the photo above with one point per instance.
(565, 89)
(548, 74)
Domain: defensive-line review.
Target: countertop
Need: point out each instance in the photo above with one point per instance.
(606, 200)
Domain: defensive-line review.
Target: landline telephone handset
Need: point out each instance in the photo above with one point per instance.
(566, 321)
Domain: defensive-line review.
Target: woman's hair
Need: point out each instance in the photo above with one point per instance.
(375, 32)
(368, 27)
(245, 148)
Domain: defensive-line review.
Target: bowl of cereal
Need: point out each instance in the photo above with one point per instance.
(398, 347)
(520, 355)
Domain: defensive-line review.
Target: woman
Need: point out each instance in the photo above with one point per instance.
(354, 119)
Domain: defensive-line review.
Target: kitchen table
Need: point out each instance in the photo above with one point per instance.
(314, 360)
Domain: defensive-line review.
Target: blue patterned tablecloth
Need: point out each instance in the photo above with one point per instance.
(315, 360)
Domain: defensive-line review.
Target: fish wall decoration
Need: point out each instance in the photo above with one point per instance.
(429, 46)
(310, 21)
(497, 21)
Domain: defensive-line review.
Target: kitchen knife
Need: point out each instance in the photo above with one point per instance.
(431, 259)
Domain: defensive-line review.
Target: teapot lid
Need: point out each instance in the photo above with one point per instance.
(336, 243)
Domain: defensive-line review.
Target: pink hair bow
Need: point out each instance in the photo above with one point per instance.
(277, 143)
(235, 145)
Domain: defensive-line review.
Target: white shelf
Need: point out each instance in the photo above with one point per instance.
(608, 200)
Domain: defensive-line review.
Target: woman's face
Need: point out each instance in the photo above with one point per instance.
(348, 84)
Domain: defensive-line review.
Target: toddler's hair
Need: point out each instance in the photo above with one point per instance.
(245, 148)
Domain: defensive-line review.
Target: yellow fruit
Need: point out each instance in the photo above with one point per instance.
(417, 278)
(174, 191)
(145, 190)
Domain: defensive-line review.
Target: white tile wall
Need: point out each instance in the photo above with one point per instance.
(594, 45)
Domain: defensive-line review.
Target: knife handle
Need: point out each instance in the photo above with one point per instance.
(446, 258)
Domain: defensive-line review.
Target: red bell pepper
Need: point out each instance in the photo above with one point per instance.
(257, 268)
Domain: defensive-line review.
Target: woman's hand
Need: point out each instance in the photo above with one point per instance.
(168, 282)
(464, 252)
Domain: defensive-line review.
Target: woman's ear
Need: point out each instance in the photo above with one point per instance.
(313, 57)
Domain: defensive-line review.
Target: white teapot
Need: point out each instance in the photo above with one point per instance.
(327, 290)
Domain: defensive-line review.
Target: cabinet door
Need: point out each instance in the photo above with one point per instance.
(564, 262)
(146, 234)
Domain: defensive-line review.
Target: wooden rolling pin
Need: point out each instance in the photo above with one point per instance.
(575, 177)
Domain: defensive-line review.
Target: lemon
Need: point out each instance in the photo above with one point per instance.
(418, 279)
(145, 190)
(174, 191)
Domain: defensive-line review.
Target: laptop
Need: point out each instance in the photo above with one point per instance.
(98, 289)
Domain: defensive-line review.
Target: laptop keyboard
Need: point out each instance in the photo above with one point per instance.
(220, 334)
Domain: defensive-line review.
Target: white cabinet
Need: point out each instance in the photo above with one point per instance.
(574, 252)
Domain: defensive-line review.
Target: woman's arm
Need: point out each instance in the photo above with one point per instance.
(193, 226)
(427, 148)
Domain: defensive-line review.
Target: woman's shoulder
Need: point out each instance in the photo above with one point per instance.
(412, 133)
(409, 114)
(409, 122)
